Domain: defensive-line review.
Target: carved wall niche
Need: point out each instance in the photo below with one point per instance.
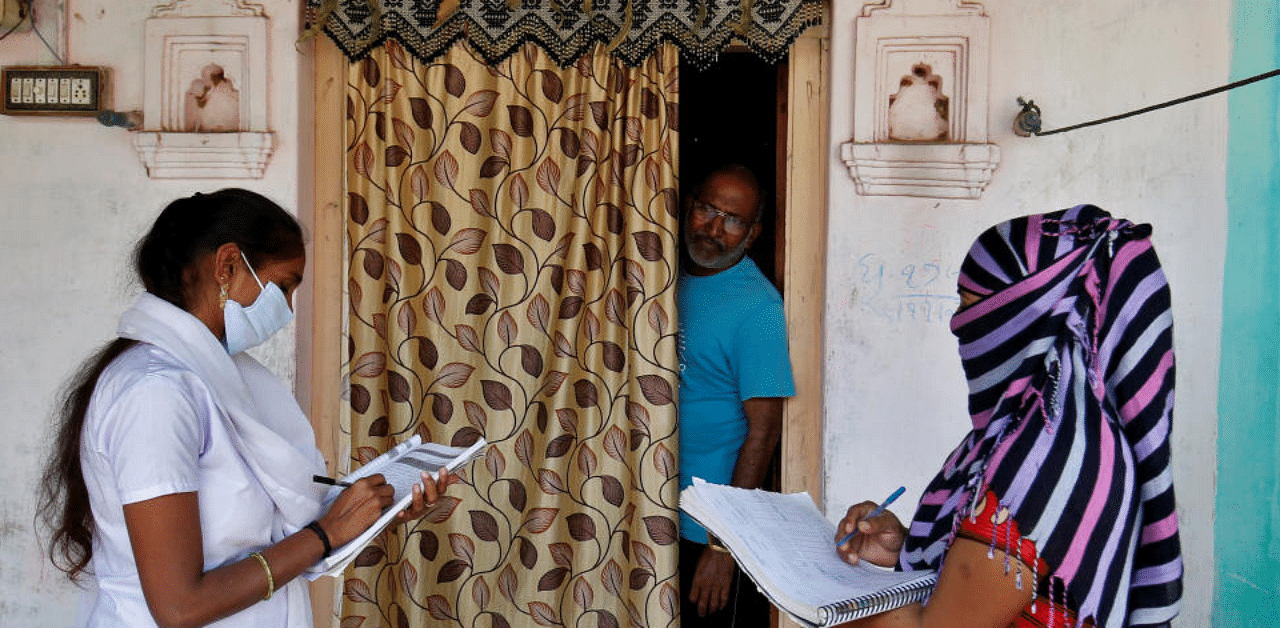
(206, 91)
(920, 100)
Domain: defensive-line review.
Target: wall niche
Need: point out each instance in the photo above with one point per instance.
(206, 91)
(920, 100)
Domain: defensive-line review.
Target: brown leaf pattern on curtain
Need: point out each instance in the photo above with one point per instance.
(512, 262)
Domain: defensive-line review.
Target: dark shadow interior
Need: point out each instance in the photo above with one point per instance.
(729, 114)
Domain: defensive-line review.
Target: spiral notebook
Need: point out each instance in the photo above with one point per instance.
(402, 467)
(787, 547)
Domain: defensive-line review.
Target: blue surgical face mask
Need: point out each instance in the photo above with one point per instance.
(253, 325)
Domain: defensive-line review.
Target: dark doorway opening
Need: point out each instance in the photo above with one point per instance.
(729, 114)
(734, 112)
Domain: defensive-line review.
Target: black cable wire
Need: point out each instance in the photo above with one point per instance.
(19, 22)
(36, 29)
(30, 16)
(1176, 101)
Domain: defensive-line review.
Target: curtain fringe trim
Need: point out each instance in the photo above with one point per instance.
(699, 45)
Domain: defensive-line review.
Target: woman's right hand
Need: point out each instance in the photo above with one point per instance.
(879, 539)
(356, 508)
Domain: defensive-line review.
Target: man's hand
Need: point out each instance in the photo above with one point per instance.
(712, 581)
(713, 578)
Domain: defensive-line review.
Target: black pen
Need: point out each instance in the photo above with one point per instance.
(324, 479)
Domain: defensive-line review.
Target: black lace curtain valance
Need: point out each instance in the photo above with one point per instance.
(566, 29)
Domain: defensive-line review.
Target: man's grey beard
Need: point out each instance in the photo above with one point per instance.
(719, 262)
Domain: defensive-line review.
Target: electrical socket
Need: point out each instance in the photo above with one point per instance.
(81, 91)
(53, 90)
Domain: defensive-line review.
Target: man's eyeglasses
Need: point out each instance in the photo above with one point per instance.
(732, 223)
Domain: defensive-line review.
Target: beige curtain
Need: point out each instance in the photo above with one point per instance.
(512, 262)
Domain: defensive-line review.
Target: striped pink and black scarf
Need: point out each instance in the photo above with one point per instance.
(1069, 359)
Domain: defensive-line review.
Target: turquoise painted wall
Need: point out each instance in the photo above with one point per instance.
(1247, 525)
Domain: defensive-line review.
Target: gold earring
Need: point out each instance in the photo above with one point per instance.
(222, 295)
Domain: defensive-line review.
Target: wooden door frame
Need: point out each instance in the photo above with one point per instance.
(804, 244)
(804, 257)
(319, 369)
(804, 216)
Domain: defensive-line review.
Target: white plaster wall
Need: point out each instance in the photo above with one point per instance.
(75, 198)
(895, 393)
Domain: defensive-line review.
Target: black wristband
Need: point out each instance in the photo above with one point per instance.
(314, 526)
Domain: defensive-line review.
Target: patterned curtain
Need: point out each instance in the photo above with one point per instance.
(566, 29)
(512, 240)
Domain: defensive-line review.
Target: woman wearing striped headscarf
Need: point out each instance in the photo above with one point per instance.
(1057, 509)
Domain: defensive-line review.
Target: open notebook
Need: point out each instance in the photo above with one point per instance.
(788, 548)
(402, 466)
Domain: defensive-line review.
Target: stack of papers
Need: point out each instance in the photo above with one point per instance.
(402, 467)
(788, 549)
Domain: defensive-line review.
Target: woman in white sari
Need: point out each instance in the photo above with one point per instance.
(182, 473)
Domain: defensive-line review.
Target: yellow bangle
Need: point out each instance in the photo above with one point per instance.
(716, 545)
(271, 582)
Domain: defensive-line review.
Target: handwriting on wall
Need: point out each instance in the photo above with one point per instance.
(906, 292)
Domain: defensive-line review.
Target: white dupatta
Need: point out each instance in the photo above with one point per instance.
(264, 421)
(271, 433)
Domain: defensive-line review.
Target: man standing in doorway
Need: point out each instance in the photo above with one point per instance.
(734, 374)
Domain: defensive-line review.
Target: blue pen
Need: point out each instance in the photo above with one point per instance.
(879, 509)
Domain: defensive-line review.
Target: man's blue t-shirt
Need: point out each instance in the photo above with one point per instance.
(733, 347)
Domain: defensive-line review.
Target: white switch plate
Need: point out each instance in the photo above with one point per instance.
(53, 90)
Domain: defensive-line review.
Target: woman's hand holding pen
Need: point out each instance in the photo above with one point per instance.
(356, 508)
(363, 501)
(879, 537)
